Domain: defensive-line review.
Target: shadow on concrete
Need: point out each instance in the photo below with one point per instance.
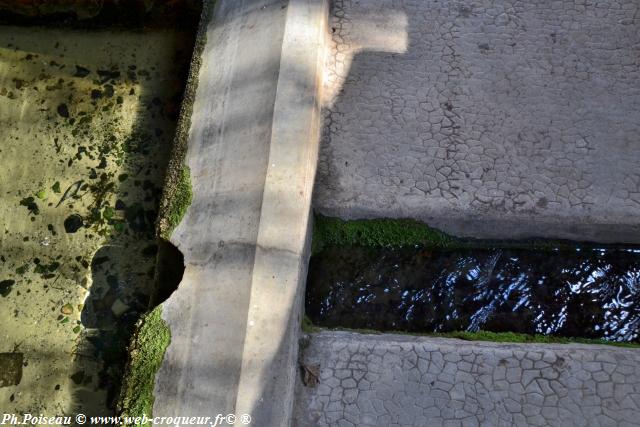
(476, 119)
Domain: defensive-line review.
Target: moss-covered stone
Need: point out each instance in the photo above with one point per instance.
(308, 326)
(146, 351)
(511, 337)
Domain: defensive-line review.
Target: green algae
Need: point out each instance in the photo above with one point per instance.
(308, 326)
(511, 337)
(146, 351)
(41, 194)
(6, 286)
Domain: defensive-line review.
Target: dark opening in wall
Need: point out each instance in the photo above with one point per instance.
(169, 271)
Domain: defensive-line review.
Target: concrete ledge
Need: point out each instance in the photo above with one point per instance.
(383, 380)
(252, 153)
(283, 247)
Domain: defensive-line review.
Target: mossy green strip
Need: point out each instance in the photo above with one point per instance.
(390, 232)
(173, 203)
(178, 203)
(511, 337)
(376, 232)
(500, 337)
(146, 351)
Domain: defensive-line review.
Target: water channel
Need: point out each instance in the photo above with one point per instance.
(580, 292)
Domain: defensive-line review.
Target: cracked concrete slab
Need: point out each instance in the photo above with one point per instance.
(485, 118)
(395, 380)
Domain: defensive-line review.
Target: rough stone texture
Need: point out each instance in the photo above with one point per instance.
(485, 118)
(392, 380)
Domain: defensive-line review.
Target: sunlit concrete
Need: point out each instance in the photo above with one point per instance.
(252, 153)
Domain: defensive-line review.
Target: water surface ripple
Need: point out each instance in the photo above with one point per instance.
(592, 293)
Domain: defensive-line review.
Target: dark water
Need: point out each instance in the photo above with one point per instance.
(591, 293)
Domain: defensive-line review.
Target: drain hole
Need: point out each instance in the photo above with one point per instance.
(169, 271)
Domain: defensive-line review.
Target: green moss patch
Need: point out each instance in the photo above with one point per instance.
(510, 337)
(177, 194)
(499, 337)
(179, 202)
(146, 351)
(390, 232)
(377, 232)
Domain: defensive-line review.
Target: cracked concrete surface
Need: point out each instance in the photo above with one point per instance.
(485, 118)
(394, 380)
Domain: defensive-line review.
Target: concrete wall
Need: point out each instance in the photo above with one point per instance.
(252, 152)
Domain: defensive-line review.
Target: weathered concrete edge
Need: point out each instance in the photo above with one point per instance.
(176, 164)
(228, 145)
(453, 341)
(269, 363)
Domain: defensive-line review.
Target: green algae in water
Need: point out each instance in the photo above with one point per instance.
(73, 223)
(31, 205)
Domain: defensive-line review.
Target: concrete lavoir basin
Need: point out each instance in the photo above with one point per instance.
(486, 119)
(87, 118)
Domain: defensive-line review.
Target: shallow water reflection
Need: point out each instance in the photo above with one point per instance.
(87, 120)
(591, 293)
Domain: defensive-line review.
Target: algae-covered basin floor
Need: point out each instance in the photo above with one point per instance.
(583, 293)
(87, 120)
